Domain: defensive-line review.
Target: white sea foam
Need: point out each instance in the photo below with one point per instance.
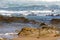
(8, 13)
(4, 11)
(41, 11)
(9, 34)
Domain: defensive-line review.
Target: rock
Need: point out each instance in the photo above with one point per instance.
(44, 31)
(49, 31)
(42, 24)
(55, 21)
(26, 31)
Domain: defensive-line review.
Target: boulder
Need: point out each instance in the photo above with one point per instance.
(27, 31)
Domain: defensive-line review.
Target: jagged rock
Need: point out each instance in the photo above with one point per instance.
(27, 31)
(49, 31)
(45, 30)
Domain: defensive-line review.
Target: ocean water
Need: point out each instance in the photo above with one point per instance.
(45, 19)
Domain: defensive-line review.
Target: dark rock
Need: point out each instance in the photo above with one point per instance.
(55, 21)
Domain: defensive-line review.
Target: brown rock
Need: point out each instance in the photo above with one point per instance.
(26, 31)
(44, 31)
(49, 31)
(55, 21)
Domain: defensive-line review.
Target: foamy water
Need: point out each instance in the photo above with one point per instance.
(8, 35)
(6, 12)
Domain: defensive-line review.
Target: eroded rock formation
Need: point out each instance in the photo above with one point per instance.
(26, 31)
(44, 31)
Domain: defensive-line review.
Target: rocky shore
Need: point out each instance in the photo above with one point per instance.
(45, 32)
(42, 32)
